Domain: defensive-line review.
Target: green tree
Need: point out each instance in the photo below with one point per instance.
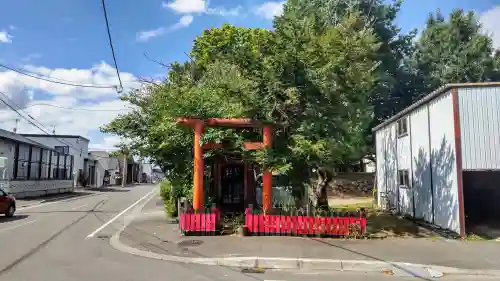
(454, 51)
(315, 85)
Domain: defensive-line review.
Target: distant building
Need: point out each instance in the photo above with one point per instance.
(74, 145)
(32, 168)
(105, 167)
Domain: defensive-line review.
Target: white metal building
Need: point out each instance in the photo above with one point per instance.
(439, 159)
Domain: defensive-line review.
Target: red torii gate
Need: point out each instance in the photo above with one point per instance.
(199, 125)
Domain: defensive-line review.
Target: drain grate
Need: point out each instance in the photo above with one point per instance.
(190, 243)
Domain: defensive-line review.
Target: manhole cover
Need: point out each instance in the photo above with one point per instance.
(190, 243)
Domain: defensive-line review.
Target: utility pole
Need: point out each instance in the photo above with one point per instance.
(124, 170)
(17, 124)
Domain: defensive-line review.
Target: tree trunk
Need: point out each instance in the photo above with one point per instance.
(321, 190)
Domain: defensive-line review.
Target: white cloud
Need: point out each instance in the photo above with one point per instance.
(200, 7)
(100, 74)
(491, 24)
(184, 21)
(221, 11)
(269, 10)
(23, 90)
(187, 6)
(5, 37)
(148, 34)
(108, 143)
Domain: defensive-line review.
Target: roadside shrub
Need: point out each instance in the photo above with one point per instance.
(169, 200)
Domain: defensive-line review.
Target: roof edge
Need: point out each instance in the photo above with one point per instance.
(434, 94)
(55, 136)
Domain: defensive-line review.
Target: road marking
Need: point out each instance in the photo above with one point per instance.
(56, 202)
(17, 225)
(119, 215)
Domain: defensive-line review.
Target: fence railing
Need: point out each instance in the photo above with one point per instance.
(202, 222)
(276, 222)
(283, 222)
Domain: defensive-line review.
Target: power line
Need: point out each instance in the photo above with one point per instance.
(76, 109)
(37, 126)
(63, 82)
(111, 43)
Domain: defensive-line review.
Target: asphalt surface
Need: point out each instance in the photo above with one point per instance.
(68, 239)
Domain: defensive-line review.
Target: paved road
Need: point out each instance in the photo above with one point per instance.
(69, 240)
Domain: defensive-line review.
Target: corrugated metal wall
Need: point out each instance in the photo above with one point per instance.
(428, 152)
(443, 162)
(387, 190)
(421, 165)
(480, 127)
(404, 163)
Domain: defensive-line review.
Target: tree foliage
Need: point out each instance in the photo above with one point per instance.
(454, 51)
(328, 72)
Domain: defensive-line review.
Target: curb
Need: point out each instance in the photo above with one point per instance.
(306, 264)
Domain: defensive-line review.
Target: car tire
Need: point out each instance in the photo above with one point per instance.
(10, 212)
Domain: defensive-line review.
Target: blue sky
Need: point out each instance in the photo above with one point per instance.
(67, 39)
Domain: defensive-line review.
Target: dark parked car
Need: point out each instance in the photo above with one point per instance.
(7, 204)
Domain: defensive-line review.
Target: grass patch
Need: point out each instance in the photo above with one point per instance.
(384, 225)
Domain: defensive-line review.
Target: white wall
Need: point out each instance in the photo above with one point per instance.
(35, 188)
(104, 162)
(421, 166)
(79, 151)
(443, 159)
(386, 167)
(7, 148)
(429, 153)
(403, 162)
(479, 109)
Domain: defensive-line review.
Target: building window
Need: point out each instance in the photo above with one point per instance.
(403, 127)
(55, 158)
(45, 165)
(22, 161)
(403, 178)
(68, 167)
(61, 171)
(36, 153)
(62, 149)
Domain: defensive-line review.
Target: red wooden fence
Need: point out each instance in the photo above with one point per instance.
(301, 225)
(203, 221)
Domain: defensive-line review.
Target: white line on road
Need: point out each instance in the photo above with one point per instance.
(56, 202)
(119, 215)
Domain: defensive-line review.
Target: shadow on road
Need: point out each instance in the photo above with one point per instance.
(4, 219)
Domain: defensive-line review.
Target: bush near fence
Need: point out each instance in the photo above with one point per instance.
(166, 193)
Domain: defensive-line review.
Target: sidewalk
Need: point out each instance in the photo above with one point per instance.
(153, 233)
